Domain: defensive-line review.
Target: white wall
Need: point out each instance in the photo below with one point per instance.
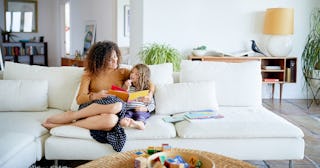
(221, 25)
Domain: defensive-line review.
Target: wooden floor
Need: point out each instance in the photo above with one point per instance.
(308, 119)
(295, 111)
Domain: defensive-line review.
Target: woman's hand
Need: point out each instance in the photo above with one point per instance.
(99, 95)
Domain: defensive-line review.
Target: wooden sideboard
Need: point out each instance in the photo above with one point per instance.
(65, 61)
(274, 70)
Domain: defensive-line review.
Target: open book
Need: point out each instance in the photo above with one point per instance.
(125, 95)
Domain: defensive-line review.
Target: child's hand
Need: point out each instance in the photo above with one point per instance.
(128, 83)
(141, 108)
(146, 99)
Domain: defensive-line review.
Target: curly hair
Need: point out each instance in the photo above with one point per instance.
(144, 76)
(98, 55)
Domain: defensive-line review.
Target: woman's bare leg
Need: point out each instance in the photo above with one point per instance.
(91, 110)
(97, 122)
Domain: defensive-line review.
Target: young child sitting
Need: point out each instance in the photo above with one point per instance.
(138, 110)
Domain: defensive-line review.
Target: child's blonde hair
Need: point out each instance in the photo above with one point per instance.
(144, 76)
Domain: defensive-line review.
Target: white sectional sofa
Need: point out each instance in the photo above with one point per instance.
(248, 131)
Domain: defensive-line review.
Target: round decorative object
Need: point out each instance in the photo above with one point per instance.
(188, 157)
(279, 45)
(199, 52)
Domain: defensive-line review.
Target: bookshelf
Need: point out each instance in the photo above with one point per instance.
(274, 70)
(33, 53)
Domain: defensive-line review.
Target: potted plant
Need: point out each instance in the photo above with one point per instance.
(311, 53)
(199, 51)
(160, 53)
(6, 35)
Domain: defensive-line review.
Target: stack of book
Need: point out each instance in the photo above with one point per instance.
(193, 115)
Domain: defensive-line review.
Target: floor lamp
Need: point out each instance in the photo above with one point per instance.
(279, 25)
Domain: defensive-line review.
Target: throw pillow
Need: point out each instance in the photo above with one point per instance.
(23, 95)
(62, 81)
(183, 97)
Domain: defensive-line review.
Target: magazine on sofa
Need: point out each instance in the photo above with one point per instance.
(193, 116)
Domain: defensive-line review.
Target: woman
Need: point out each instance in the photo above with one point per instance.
(99, 111)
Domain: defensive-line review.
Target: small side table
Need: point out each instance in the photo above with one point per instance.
(126, 159)
(315, 90)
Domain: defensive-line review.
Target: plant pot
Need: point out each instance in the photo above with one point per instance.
(315, 82)
(199, 52)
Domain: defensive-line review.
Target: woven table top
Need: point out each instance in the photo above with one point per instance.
(126, 160)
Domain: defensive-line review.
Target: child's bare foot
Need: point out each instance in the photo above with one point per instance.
(125, 122)
(137, 124)
(62, 118)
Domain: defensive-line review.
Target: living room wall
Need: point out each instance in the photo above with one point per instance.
(221, 25)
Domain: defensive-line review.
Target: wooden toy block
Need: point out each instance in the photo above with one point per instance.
(140, 162)
(193, 160)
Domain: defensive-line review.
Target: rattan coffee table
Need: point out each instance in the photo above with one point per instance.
(126, 160)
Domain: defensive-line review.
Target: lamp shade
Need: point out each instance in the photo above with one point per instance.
(279, 21)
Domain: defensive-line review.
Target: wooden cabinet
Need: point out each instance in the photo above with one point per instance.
(32, 53)
(274, 70)
(65, 61)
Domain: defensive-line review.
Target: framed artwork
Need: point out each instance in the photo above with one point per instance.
(89, 36)
(21, 15)
(126, 20)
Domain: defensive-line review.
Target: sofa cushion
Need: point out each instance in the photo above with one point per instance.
(161, 73)
(62, 81)
(240, 122)
(23, 95)
(25, 122)
(237, 84)
(181, 97)
(155, 128)
(13, 144)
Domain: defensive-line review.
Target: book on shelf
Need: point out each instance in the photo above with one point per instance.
(125, 95)
(271, 80)
(268, 67)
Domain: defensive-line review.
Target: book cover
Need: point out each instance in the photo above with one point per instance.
(202, 115)
(126, 96)
(172, 119)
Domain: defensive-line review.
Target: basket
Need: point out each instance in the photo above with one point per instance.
(187, 156)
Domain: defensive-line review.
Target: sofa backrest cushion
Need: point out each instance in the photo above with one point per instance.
(62, 81)
(184, 97)
(161, 73)
(23, 95)
(237, 84)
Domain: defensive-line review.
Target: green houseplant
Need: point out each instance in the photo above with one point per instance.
(160, 53)
(311, 53)
(199, 51)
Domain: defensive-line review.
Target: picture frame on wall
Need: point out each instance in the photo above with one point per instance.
(89, 35)
(126, 20)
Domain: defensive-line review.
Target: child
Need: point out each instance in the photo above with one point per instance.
(139, 110)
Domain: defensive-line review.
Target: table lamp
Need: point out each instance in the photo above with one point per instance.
(278, 24)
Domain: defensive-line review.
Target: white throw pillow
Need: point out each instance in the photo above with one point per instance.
(183, 97)
(161, 73)
(62, 81)
(237, 84)
(23, 95)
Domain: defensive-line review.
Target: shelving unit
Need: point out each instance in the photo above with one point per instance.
(32, 53)
(274, 70)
